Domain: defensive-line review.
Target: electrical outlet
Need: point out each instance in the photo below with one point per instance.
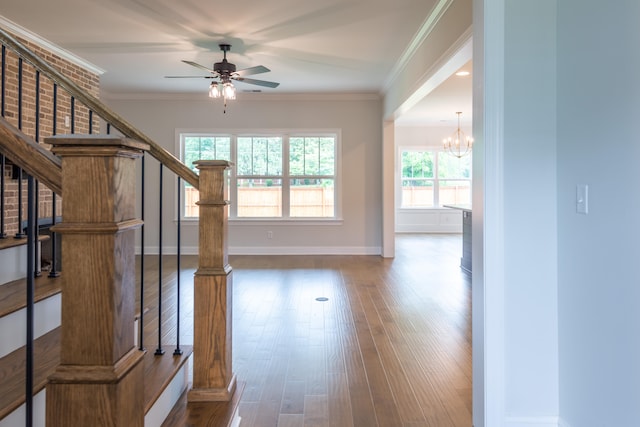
(269, 234)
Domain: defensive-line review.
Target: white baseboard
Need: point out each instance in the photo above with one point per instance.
(428, 228)
(297, 250)
(274, 250)
(532, 421)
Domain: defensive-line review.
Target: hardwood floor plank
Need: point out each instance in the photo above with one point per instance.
(384, 405)
(363, 411)
(267, 414)
(399, 383)
(339, 401)
(293, 398)
(290, 420)
(316, 411)
(316, 380)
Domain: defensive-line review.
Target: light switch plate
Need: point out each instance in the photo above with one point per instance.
(582, 199)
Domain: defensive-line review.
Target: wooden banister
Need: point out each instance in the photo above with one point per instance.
(127, 129)
(31, 156)
(99, 381)
(213, 377)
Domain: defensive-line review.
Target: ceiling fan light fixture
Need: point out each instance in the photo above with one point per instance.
(214, 90)
(224, 72)
(229, 90)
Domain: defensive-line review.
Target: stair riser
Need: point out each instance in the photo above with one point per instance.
(14, 263)
(167, 400)
(17, 417)
(14, 326)
(154, 418)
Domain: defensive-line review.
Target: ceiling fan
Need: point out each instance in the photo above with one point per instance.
(224, 72)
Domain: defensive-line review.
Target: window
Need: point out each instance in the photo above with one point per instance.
(259, 176)
(434, 178)
(311, 176)
(288, 175)
(196, 147)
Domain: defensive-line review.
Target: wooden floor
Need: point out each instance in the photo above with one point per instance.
(390, 347)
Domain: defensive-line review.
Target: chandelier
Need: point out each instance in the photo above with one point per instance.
(458, 144)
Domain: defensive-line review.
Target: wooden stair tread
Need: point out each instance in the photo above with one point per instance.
(159, 371)
(46, 357)
(11, 242)
(13, 294)
(218, 414)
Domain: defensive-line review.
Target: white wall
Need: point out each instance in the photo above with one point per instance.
(359, 118)
(530, 229)
(581, 51)
(515, 215)
(599, 279)
(433, 220)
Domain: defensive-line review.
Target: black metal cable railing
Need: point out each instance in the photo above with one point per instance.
(159, 350)
(33, 201)
(3, 164)
(19, 233)
(36, 185)
(178, 351)
(142, 251)
(53, 269)
(31, 265)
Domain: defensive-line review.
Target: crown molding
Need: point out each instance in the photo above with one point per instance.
(25, 34)
(190, 96)
(421, 35)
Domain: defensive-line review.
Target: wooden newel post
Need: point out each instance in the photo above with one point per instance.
(100, 378)
(213, 379)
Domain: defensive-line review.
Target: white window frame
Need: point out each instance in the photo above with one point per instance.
(233, 177)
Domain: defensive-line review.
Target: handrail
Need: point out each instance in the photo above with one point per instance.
(31, 156)
(102, 110)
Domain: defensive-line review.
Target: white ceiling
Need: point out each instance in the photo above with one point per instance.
(310, 46)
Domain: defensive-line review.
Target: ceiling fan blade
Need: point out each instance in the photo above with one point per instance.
(202, 67)
(252, 70)
(190, 77)
(257, 82)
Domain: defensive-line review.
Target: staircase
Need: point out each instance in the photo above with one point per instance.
(12, 345)
(82, 356)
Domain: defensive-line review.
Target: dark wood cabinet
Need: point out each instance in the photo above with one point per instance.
(465, 260)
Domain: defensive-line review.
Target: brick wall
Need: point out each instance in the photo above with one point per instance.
(27, 122)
